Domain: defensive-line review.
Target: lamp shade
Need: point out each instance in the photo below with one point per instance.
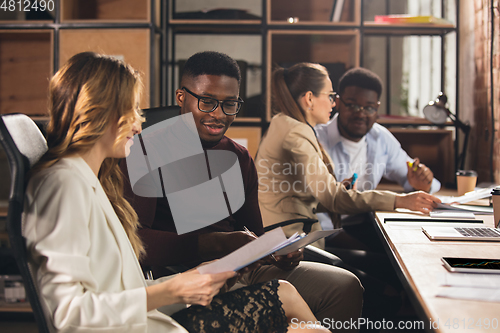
(435, 114)
(436, 111)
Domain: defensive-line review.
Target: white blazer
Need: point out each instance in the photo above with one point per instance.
(86, 271)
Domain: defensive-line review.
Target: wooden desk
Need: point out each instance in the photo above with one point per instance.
(417, 261)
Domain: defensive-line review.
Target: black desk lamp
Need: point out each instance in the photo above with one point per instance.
(437, 112)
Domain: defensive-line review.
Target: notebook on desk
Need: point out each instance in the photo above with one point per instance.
(462, 233)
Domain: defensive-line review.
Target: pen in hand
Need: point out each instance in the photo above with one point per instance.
(413, 165)
(354, 178)
(251, 233)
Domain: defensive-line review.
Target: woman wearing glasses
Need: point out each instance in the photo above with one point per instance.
(295, 174)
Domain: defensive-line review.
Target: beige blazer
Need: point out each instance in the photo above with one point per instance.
(293, 179)
(85, 268)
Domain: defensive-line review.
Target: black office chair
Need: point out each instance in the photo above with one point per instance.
(158, 114)
(154, 116)
(307, 224)
(24, 144)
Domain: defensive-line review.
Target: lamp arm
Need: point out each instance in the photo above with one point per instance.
(461, 159)
(458, 122)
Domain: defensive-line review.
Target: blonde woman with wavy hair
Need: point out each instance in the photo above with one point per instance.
(81, 233)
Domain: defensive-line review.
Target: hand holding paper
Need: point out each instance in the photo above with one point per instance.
(271, 242)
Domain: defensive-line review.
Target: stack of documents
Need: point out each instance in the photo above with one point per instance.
(453, 207)
(468, 197)
(271, 242)
(479, 287)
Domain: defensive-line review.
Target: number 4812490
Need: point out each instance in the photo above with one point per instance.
(27, 5)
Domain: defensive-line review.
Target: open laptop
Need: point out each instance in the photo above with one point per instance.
(462, 233)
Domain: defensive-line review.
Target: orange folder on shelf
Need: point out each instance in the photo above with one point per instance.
(404, 18)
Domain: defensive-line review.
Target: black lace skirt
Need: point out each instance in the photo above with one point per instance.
(254, 308)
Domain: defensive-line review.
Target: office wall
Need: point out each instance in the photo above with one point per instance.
(484, 147)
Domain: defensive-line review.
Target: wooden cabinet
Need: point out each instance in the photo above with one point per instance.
(25, 68)
(434, 148)
(114, 42)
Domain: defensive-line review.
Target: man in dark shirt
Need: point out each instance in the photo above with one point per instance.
(210, 91)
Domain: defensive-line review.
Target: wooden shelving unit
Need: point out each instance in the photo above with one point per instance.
(294, 31)
(31, 51)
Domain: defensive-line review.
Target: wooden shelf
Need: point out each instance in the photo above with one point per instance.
(219, 27)
(213, 22)
(107, 11)
(312, 24)
(408, 121)
(15, 307)
(247, 120)
(403, 29)
(25, 67)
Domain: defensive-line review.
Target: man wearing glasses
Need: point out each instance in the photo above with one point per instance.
(357, 144)
(209, 90)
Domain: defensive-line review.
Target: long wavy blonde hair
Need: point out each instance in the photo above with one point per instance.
(88, 94)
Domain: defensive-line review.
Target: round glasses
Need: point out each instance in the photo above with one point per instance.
(208, 104)
(369, 110)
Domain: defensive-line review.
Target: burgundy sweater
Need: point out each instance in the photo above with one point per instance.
(163, 245)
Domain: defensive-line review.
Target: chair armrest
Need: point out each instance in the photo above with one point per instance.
(166, 271)
(306, 221)
(312, 253)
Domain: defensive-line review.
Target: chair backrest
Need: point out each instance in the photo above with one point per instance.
(156, 115)
(24, 144)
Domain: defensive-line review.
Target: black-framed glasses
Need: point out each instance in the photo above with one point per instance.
(209, 104)
(369, 110)
(331, 95)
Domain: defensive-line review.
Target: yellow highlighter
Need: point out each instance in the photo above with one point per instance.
(413, 165)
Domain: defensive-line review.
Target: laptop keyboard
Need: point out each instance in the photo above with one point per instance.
(478, 232)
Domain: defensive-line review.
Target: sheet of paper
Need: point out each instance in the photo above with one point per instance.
(453, 214)
(472, 280)
(467, 197)
(305, 240)
(468, 293)
(464, 208)
(479, 287)
(421, 221)
(247, 254)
